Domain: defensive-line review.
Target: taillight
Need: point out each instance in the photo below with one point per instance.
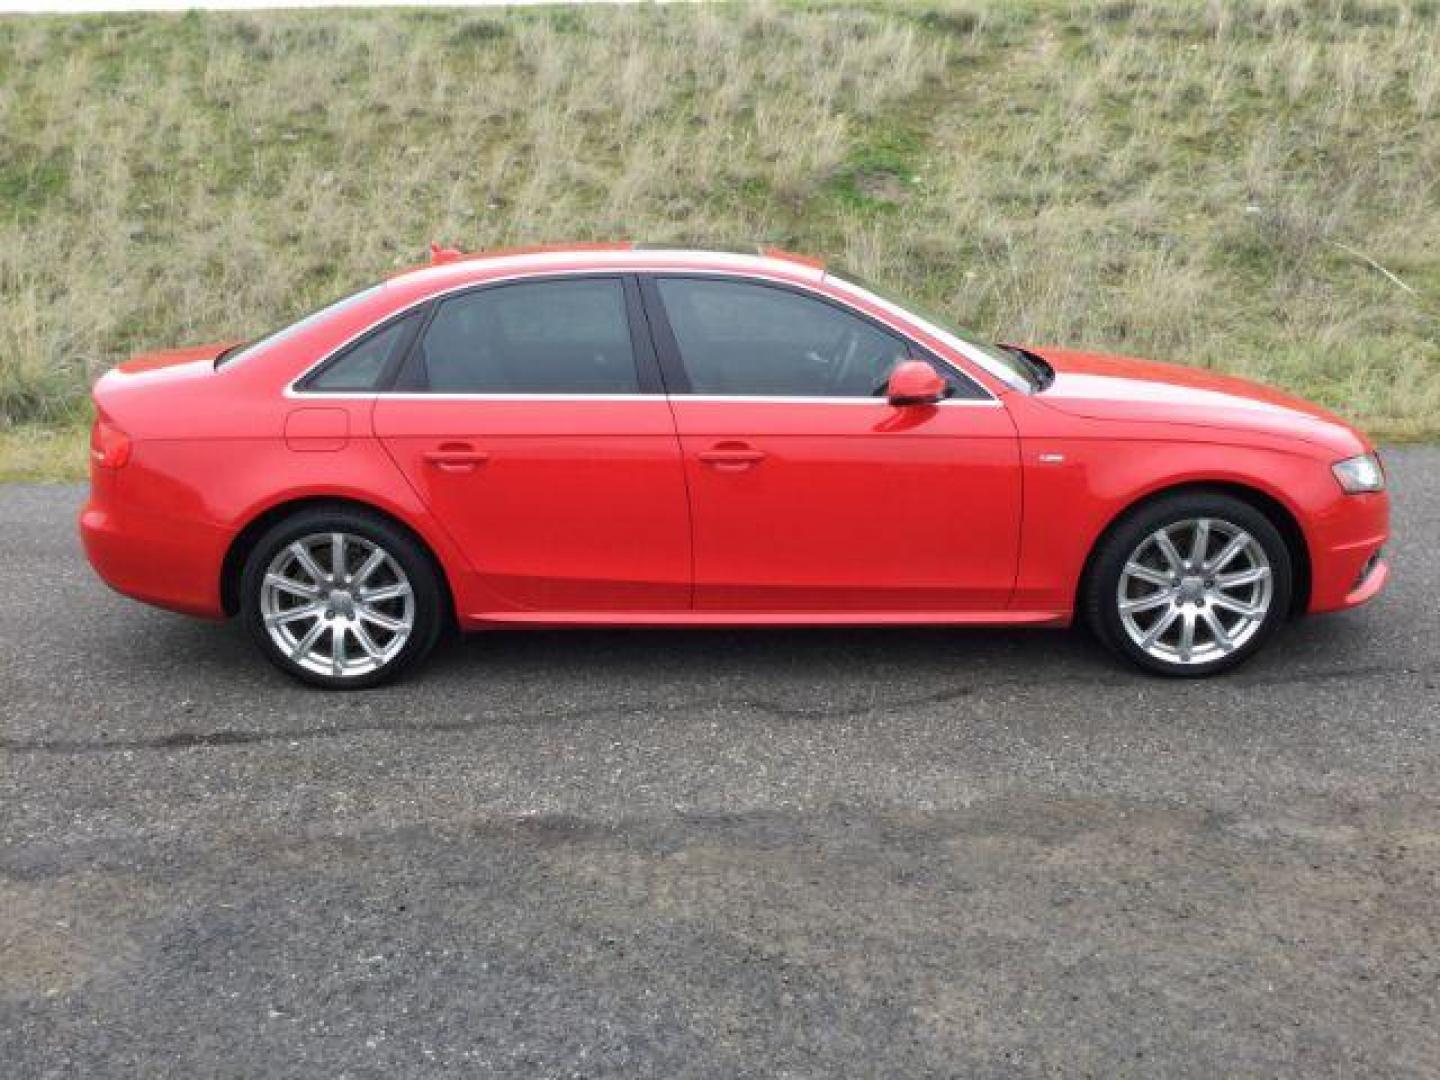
(109, 446)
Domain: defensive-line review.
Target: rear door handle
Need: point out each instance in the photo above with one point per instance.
(456, 458)
(732, 457)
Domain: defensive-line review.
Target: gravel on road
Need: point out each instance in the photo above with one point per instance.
(714, 853)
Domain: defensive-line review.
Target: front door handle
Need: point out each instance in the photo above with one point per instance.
(731, 456)
(456, 457)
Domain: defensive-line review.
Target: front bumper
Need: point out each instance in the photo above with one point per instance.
(1347, 564)
(1371, 580)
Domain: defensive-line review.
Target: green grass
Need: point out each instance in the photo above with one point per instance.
(1214, 183)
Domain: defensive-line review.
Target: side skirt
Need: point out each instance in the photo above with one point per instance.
(701, 619)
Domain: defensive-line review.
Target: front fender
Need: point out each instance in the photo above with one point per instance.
(1075, 489)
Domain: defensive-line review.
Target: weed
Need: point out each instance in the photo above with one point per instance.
(1239, 184)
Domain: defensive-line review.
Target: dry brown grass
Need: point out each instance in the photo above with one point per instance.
(1160, 177)
(34, 452)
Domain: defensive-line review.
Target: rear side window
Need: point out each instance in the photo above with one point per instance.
(540, 337)
(360, 367)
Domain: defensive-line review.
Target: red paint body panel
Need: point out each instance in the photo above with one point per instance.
(649, 510)
(1123, 389)
(577, 507)
(317, 430)
(842, 617)
(174, 357)
(927, 501)
(169, 559)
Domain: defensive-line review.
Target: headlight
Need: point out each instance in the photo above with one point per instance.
(1359, 474)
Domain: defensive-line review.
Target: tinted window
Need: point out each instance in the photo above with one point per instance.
(542, 337)
(360, 366)
(997, 360)
(744, 339)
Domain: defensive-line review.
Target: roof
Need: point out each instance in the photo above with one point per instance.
(451, 266)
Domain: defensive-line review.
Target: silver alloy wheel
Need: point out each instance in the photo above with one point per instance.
(1195, 607)
(337, 604)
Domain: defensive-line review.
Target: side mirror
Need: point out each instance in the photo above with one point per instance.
(914, 382)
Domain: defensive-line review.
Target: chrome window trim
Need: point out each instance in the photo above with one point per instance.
(754, 399)
(885, 318)
(820, 399)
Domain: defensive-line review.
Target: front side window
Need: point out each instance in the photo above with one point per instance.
(741, 339)
(542, 337)
(1007, 364)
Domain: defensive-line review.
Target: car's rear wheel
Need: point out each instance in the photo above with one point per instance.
(1190, 584)
(340, 598)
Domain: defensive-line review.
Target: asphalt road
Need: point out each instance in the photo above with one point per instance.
(799, 854)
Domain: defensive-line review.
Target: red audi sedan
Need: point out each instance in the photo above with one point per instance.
(609, 435)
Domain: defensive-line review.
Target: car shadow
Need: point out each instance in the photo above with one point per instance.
(675, 654)
(503, 659)
(1304, 650)
(205, 685)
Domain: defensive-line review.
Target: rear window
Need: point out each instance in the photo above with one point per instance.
(283, 334)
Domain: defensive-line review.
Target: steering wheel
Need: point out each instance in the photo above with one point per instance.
(842, 363)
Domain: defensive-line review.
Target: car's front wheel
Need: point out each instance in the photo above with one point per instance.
(340, 598)
(1190, 584)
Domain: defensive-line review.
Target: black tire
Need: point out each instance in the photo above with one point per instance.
(1101, 599)
(419, 572)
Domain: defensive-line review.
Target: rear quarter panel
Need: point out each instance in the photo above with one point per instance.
(210, 487)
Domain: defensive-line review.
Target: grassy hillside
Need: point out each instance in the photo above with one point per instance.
(1252, 185)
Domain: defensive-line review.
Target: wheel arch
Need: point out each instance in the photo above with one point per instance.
(245, 540)
(1279, 515)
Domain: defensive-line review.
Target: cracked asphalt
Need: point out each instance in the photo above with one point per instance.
(760, 853)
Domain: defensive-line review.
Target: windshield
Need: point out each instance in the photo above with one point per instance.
(1008, 366)
(239, 352)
